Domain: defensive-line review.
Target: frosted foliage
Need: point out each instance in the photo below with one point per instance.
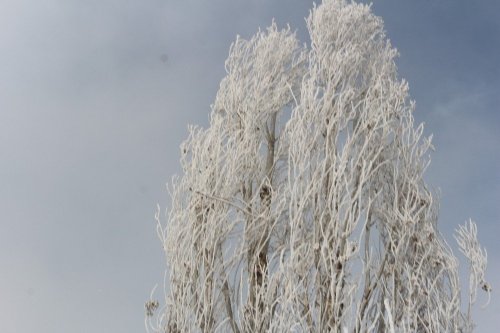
(466, 237)
(302, 207)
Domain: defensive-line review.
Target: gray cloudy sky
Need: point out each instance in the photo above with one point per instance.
(95, 97)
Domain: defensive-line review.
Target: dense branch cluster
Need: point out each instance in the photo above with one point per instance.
(302, 208)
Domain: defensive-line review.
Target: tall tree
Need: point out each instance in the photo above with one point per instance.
(303, 207)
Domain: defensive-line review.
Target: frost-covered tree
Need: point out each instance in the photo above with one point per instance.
(302, 207)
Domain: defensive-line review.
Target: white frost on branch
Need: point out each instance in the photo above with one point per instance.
(303, 206)
(466, 236)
